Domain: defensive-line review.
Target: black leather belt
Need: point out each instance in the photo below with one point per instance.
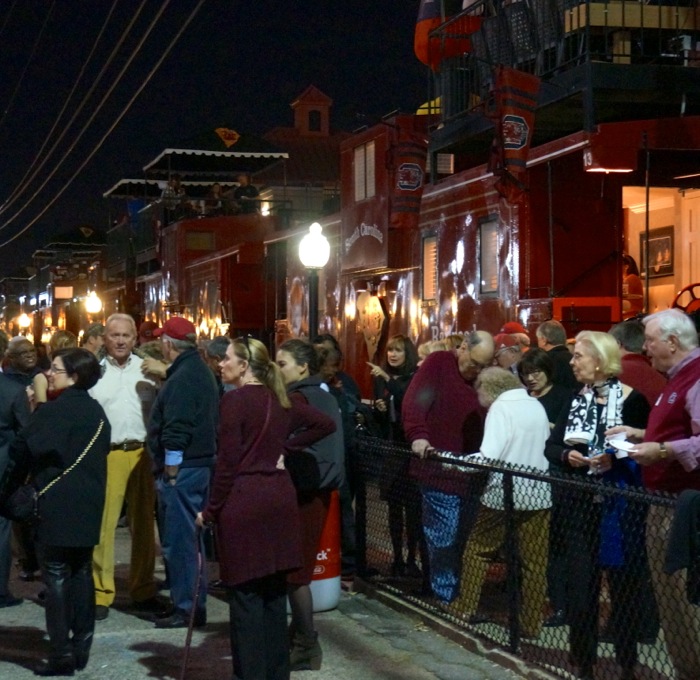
(127, 445)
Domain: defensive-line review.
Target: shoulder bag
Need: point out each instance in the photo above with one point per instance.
(23, 504)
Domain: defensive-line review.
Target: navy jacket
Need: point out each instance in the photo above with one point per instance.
(186, 413)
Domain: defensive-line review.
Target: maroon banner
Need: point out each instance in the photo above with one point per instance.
(515, 103)
(408, 163)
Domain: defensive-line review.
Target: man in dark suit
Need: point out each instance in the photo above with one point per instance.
(551, 337)
(14, 415)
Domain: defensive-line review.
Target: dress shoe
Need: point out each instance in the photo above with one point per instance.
(181, 619)
(413, 570)
(81, 660)
(53, 667)
(10, 601)
(558, 618)
(398, 568)
(153, 605)
(101, 612)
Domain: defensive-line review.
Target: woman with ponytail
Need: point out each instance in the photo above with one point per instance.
(253, 505)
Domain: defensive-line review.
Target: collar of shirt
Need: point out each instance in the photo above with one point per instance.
(695, 354)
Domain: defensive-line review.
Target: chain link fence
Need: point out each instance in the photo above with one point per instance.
(556, 569)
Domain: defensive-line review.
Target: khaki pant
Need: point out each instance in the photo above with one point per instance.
(129, 477)
(487, 536)
(680, 620)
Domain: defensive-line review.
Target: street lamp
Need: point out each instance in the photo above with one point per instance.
(314, 252)
(93, 304)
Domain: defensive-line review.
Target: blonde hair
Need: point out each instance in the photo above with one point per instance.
(266, 371)
(494, 381)
(431, 346)
(61, 339)
(605, 349)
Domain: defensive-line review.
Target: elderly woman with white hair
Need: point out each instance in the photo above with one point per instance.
(602, 532)
(515, 433)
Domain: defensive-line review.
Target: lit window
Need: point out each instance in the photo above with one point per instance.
(430, 272)
(364, 171)
(488, 255)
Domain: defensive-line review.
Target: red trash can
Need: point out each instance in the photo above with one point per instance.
(325, 586)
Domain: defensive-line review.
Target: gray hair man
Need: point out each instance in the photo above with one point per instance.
(670, 453)
(182, 442)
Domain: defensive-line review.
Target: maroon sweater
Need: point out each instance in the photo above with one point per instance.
(444, 409)
(669, 421)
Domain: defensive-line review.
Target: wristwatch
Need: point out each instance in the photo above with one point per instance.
(663, 451)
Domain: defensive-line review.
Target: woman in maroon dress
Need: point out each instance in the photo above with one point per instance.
(253, 505)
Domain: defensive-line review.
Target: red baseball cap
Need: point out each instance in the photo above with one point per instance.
(504, 341)
(177, 328)
(147, 329)
(513, 327)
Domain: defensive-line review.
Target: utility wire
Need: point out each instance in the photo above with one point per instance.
(22, 185)
(29, 61)
(124, 111)
(103, 101)
(7, 17)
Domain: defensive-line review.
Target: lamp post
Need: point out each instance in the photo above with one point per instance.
(314, 252)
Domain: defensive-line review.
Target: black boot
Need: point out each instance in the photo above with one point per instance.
(63, 666)
(306, 653)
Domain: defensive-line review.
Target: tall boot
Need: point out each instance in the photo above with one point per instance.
(82, 597)
(306, 653)
(58, 609)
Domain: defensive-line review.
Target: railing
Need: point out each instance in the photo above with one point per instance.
(546, 37)
(560, 586)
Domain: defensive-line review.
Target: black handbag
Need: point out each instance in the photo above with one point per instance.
(23, 504)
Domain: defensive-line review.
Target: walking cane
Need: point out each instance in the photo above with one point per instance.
(195, 598)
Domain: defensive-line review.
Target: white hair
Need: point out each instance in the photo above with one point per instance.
(673, 322)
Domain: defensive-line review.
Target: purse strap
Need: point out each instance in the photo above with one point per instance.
(75, 463)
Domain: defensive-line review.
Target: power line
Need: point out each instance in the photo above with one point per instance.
(7, 17)
(21, 185)
(29, 61)
(103, 101)
(124, 111)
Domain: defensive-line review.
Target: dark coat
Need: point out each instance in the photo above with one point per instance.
(14, 415)
(185, 415)
(57, 433)
(252, 501)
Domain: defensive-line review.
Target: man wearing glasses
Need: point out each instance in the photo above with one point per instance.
(441, 412)
(22, 360)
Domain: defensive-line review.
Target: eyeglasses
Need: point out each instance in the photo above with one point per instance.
(53, 369)
(25, 353)
(532, 374)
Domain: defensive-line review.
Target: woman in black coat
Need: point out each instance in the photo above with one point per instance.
(68, 436)
(391, 380)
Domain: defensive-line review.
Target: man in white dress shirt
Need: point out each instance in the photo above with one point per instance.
(126, 396)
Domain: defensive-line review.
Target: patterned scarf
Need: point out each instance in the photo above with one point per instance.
(584, 426)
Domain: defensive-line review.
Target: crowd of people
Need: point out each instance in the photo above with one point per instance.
(175, 437)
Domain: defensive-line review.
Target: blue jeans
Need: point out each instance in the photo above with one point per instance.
(179, 504)
(447, 521)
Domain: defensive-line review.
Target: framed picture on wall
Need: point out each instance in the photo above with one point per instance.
(660, 252)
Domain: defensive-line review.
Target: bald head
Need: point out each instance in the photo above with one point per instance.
(475, 353)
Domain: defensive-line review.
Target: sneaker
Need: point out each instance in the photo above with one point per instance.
(10, 601)
(101, 612)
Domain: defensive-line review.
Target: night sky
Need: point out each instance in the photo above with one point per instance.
(238, 64)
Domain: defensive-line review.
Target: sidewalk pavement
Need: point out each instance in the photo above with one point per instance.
(362, 639)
